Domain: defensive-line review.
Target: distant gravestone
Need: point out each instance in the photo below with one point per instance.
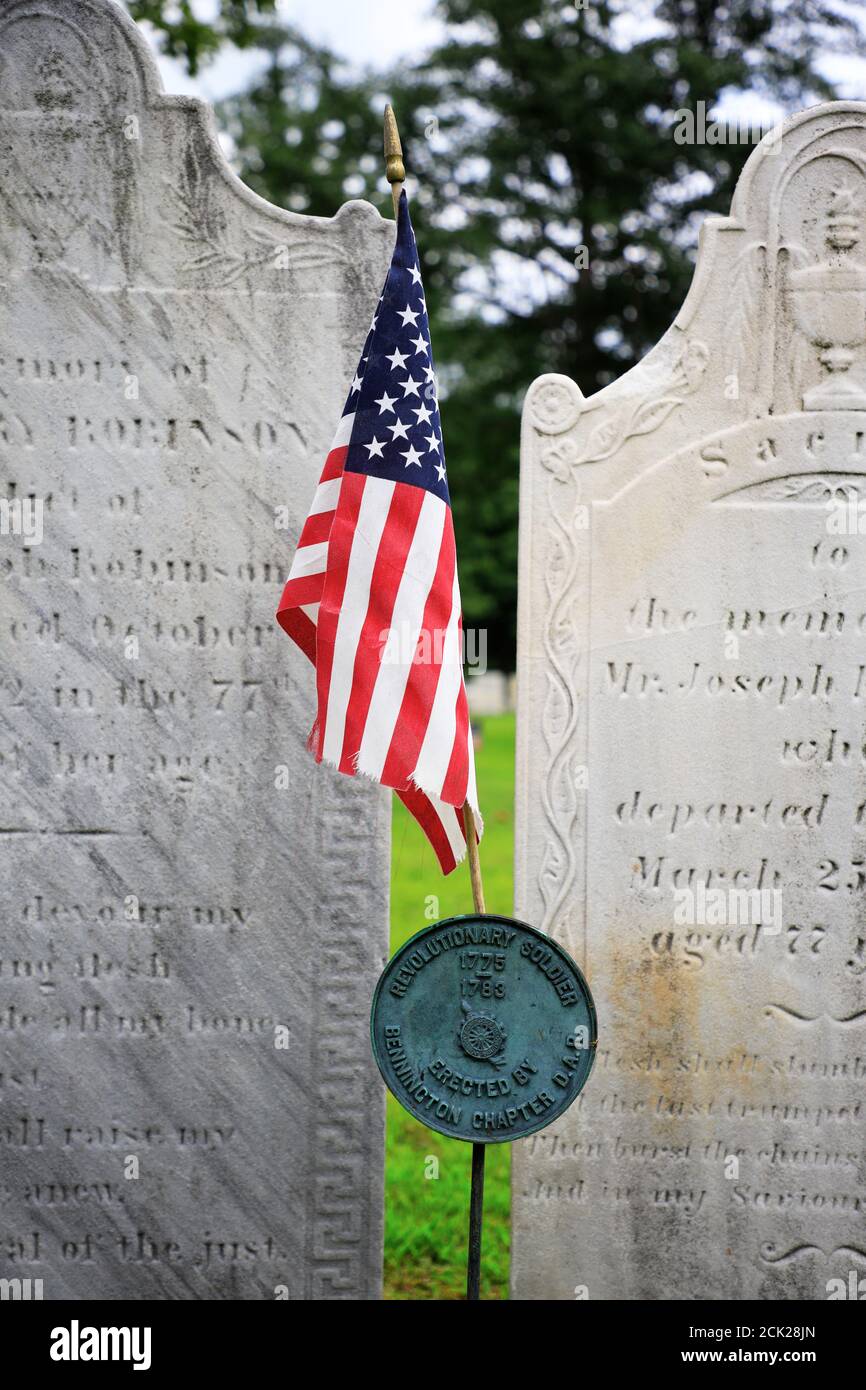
(489, 693)
(691, 771)
(193, 914)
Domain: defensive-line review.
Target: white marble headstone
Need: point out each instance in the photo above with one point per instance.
(691, 773)
(192, 914)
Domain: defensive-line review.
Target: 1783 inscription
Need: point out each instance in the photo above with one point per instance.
(692, 762)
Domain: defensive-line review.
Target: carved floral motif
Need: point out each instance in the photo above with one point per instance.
(203, 224)
(641, 417)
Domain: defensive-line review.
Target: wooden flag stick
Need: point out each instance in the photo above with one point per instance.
(394, 167)
(474, 859)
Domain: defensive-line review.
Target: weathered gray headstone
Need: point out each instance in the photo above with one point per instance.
(691, 722)
(193, 913)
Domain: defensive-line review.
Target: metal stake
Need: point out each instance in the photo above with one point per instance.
(476, 1210)
(476, 1192)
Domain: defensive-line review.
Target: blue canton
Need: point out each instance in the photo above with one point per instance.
(397, 433)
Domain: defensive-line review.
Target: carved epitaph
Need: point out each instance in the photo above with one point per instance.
(193, 915)
(691, 762)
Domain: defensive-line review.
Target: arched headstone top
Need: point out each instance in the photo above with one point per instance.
(65, 56)
(771, 322)
(132, 188)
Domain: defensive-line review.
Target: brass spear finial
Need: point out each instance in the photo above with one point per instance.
(394, 167)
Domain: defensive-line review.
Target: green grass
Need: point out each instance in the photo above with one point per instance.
(426, 1217)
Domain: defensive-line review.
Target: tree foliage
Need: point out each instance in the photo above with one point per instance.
(182, 34)
(556, 213)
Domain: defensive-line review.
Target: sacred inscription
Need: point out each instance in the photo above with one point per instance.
(193, 916)
(693, 824)
(483, 1028)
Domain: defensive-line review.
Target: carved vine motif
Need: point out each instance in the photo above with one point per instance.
(808, 489)
(771, 1254)
(561, 709)
(560, 458)
(204, 226)
(638, 418)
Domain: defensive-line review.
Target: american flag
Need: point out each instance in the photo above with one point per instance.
(372, 596)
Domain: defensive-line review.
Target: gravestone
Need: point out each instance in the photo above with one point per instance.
(691, 805)
(193, 914)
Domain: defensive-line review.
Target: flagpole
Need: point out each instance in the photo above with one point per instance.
(396, 174)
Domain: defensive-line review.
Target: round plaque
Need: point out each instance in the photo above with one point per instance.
(483, 1028)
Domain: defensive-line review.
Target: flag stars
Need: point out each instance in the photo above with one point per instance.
(397, 366)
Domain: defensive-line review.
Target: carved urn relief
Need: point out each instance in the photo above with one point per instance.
(829, 305)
